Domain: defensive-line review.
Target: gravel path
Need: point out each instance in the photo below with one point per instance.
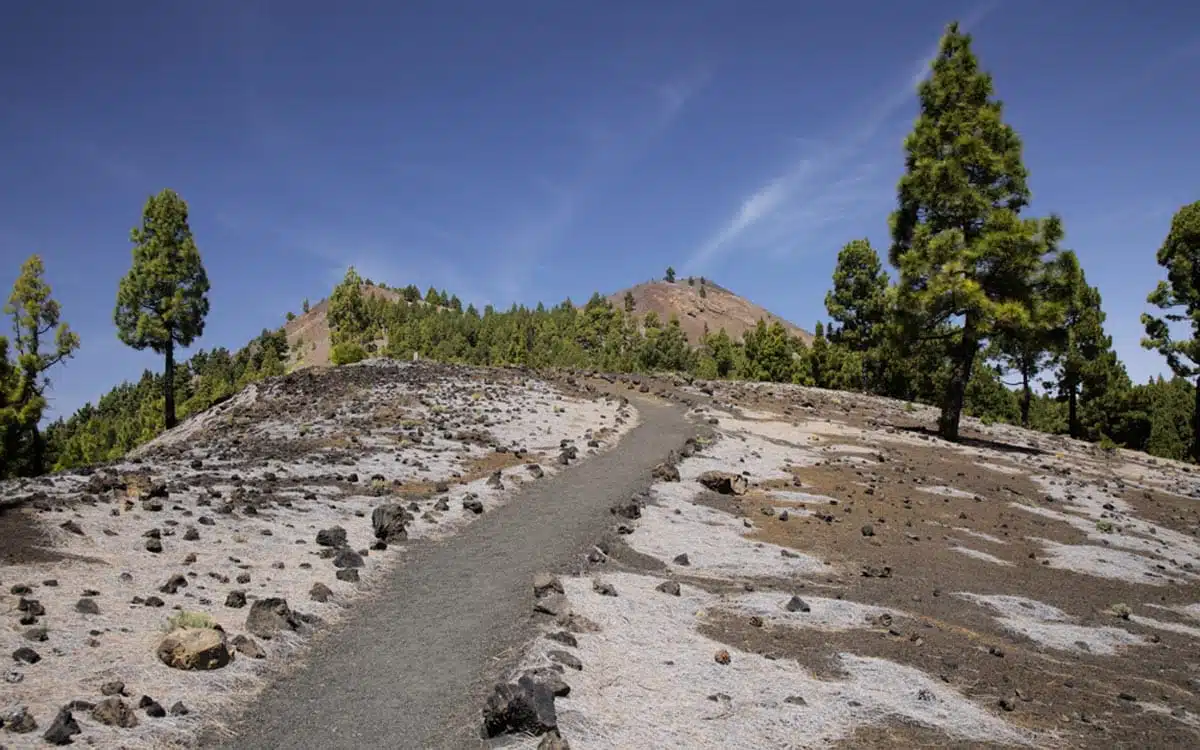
(412, 667)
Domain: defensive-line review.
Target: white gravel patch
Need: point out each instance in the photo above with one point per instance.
(1103, 562)
(980, 535)
(943, 490)
(1051, 627)
(1001, 468)
(714, 541)
(824, 613)
(271, 547)
(648, 674)
(980, 555)
(1173, 627)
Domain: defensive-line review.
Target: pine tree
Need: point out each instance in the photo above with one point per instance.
(163, 300)
(858, 307)
(35, 314)
(1082, 358)
(857, 304)
(630, 302)
(347, 314)
(961, 249)
(1179, 294)
(1024, 345)
(670, 275)
(304, 306)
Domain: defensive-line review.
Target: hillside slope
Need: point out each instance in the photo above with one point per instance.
(309, 343)
(718, 308)
(308, 333)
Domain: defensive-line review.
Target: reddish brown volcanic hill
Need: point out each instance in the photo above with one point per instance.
(308, 333)
(719, 308)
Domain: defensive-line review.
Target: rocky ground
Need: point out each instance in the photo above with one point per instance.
(822, 571)
(146, 600)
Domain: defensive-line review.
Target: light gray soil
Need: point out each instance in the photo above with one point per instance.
(412, 667)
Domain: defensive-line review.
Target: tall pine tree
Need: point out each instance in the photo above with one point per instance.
(1180, 296)
(1084, 357)
(858, 307)
(35, 316)
(163, 300)
(966, 259)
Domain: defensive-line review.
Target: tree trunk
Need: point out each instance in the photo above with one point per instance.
(1073, 411)
(1196, 425)
(956, 389)
(1026, 398)
(169, 386)
(37, 452)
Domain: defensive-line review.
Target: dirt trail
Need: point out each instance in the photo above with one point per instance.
(411, 668)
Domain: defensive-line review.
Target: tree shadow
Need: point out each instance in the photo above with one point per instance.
(23, 540)
(976, 442)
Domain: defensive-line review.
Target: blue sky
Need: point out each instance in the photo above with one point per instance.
(530, 151)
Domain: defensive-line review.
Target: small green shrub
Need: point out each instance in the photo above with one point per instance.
(347, 353)
(1104, 527)
(185, 619)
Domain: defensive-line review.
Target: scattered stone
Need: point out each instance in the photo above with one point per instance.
(523, 707)
(349, 575)
(320, 592)
(473, 504)
(115, 713)
(545, 584)
(563, 637)
(194, 648)
(347, 558)
(553, 604)
(668, 587)
(552, 740)
(666, 472)
(682, 559)
(72, 527)
(26, 655)
(868, 530)
(62, 729)
(603, 588)
(629, 510)
(87, 606)
(38, 634)
(722, 657)
(247, 646)
(19, 721)
(332, 537)
(565, 658)
(268, 617)
(178, 709)
(388, 522)
(115, 687)
(152, 707)
(236, 599)
(174, 583)
(724, 482)
(796, 604)
(154, 545)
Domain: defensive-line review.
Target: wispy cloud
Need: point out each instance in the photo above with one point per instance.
(831, 181)
(555, 205)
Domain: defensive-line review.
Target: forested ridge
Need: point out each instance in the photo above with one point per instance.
(984, 312)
